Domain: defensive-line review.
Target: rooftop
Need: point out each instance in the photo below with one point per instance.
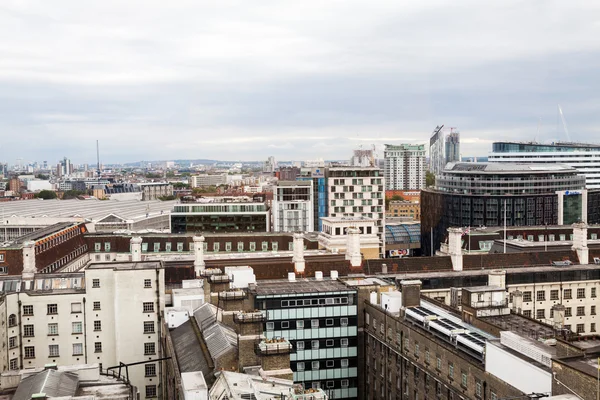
(521, 325)
(284, 286)
(86, 209)
(494, 168)
(126, 266)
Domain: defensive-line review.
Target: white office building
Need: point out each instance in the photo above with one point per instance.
(404, 167)
(292, 207)
(208, 180)
(583, 157)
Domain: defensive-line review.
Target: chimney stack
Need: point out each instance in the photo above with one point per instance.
(199, 264)
(136, 248)
(353, 247)
(455, 248)
(580, 242)
(411, 293)
(298, 258)
(29, 260)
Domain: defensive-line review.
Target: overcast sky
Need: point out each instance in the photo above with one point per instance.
(242, 80)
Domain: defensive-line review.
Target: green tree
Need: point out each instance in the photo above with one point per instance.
(395, 197)
(72, 194)
(429, 179)
(180, 185)
(46, 194)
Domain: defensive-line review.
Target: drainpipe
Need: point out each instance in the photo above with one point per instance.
(159, 332)
(85, 333)
(20, 333)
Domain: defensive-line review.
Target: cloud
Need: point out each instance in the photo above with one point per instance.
(297, 80)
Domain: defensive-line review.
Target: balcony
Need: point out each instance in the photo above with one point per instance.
(210, 272)
(221, 278)
(232, 294)
(249, 317)
(273, 346)
(297, 392)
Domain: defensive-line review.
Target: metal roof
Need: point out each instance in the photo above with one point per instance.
(50, 382)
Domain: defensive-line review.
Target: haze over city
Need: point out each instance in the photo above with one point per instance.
(297, 80)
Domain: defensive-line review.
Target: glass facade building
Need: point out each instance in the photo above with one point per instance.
(320, 319)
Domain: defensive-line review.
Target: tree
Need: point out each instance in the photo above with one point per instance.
(72, 194)
(395, 197)
(46, 195)
(429, 179)
(180, 185)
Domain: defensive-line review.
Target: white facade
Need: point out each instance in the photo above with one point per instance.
(404, 167)
(208, 180)
(108, 314)
(37, 185)
(358, 193)
(334, 236)
(293, 207)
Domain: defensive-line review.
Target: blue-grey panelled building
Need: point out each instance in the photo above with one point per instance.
(319, 318)
(317, 176)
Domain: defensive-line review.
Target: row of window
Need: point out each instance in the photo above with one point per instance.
(56, 239)
(66, 259)
(316, 344)
(149, 349)
(299, 324)
(76, 328)
(216, 247)
(540, 295)
(314, 302)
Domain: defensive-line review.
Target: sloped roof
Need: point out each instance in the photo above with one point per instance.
(51, 382)
(190, 356)
(219, 339)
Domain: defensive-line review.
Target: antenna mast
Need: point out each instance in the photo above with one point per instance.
(564, 122)
(98, 159)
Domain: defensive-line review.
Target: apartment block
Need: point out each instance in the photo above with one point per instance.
(292, 207)
(208, 180)
(404, 167)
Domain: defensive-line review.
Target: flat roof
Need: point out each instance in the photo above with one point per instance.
(303, 285)
(487, 288)
(124, 266)
(91, 209)
(483, 167)
(521, 325)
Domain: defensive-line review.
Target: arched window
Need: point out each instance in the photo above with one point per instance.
(12, 320)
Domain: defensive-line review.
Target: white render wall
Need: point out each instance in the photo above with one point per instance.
(516, 371)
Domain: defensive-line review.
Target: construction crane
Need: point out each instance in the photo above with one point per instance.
(564, 122)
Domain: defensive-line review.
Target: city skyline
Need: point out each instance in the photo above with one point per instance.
(246, 82)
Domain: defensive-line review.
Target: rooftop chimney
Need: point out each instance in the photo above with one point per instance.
(199, 264)
(580, 242)
(334, 274)
(319, 275)
(411, 293)
(455, 248)
(298, 258)
(136, 248)
(497, 277)
(29, 260)
(353, 247)
(291, 277)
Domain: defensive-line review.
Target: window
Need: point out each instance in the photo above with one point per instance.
(270, 326)
(329, 322)
(150, 369)
(593, 327)
(12, 342)
(438, 363)
(580, 328)
(29, 352)
(527, 313)
(314, 323)
(148, 306)
(426, 356)
(12, 320)
(150, 390)
(540, 314)
(95, 283)
(97, 347)
(97, 326)
(77, 327)
(567, 294)
(593, 292)
(300, 345)
(285, 324)
(478, 388)
(299, 366)
(345, 383)
(344, 363)
(77, 349)
(53, 350)
(97, 246)
(527, 296)
(343, 321)
(96, 305)
(314, 344)
(568, 327)
(580, 311)
(265, 246)
(52, 329)
(329, 363)
(14, 364)
(148, 283)
(581, 293)
(344, 342)
(450, 370)
(168, 246)
(28, 331)
(315, 365)
(52, 309)
(464, 379)
(149, 348)
(27, 310)
(148, 326)
(568, 312)
(299, 324)
(540, 295)
(493, 396)
(417, 350)
(554, 294)
(252, 246)
(593, 310)
(156, 247)
(75, 307)
(329, 343)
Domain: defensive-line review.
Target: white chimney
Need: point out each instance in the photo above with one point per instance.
(497, 277)
(455, 248)
(291, 276)
(353, 247)
(136, 248)
(29, 260)
(334, 274)
(319, 275)
(298, 257)
(580, 242)
(199, 264)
